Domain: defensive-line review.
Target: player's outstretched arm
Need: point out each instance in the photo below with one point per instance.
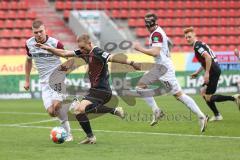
(154, 51)
(195, 74)
(56, 51)
(119, 59)
(28, 68)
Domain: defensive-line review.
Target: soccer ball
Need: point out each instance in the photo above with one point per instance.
(58, 135)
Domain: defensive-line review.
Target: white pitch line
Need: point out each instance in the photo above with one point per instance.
(132, 132)
(25, 113)
(36, 122)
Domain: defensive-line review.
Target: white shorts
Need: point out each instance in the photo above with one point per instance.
(166, 77)
(49, 95)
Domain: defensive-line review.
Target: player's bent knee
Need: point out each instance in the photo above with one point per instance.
(178, 94)
(141, 86)
(56, 106)
(51, 111)
(207, 97)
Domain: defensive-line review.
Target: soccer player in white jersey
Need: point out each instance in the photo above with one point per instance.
(164, 72)
(46, 63)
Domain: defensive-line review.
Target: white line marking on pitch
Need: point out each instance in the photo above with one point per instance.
(36, 122)
(132, 132)
(25, 113)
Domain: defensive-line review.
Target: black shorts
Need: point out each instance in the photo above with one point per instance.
(98, 96)
(214, 75)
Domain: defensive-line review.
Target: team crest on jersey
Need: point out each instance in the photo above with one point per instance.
(155, 39)
(105, 54)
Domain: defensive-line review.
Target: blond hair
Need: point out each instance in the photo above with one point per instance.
(187, 30)
(84, 37)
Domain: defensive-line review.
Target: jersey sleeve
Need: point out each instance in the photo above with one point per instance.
(101, 54)
(200, 49)
(77, 52)
(156, 39)
(60, 45)
(29, 55)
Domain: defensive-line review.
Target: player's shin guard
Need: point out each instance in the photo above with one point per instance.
(63, 118)
(221, 98)
(213, 107)
(85, 124)
(190, 103)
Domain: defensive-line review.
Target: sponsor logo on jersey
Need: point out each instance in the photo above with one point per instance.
(201, 50)
(155, 39)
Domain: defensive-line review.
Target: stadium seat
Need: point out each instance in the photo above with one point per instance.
(22, 5)
(132, 4)
(16, 33)
(2, 24)
(3, 5)
(90, 5)
(21, 14)
(78, 5)
(59, 5)
(31, 15)
(124, 13)
(142, 5)
(115, 4)
(9, 24)
(4, 33)
(66, 14)
(27, 33)
(4, 43)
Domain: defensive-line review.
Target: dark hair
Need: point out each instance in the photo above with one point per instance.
(37, 23)
(150, 19)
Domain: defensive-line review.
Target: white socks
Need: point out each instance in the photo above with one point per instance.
(63, 118)
(151, 103)
(190, 103)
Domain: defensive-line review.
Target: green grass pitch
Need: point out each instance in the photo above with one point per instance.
(23, 135)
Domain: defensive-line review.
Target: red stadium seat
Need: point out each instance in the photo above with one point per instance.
(133, 13)
(123, 5)
(31, 15)
(90, 5)
(16, 33)
(27, 23)
(132, 4)
(27, 33)
(132, 23)
(22, 5)
(142, 5)
(4, 43)
(123, 13)
(59, 5)
(115, 14)
(115, 4)
(2, 24)
(21, 14)
(9, 24)
(18, 23)
(66, 14)
(3, 5)
(13, 5)
(141, 32)
(78, 5)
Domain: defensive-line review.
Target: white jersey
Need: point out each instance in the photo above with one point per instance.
(45, 61)
(158, 38)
